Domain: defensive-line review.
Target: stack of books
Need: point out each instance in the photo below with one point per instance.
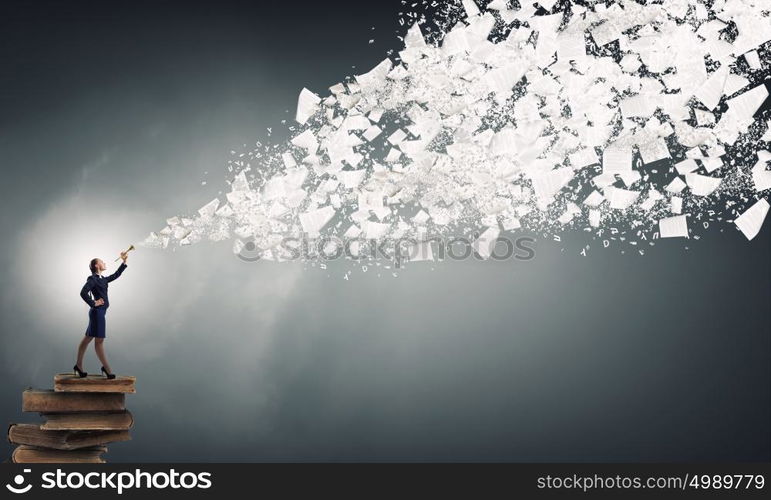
(81, 416)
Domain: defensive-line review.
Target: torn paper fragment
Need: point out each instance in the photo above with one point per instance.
(686, 166)
(655, 150)
(376, 76)
(371, 133)
(225, 211)
(421, 251)
(571, 47)
(605, 33)
(375, 115)
(547, 184)
(744, 106)
(289, 161)
(307, 141)
(397, 137)
(702, 185)
(653, 197)
(471, 8)
(677, 205)
(584, 157)
(676, 186)
(307, 105)
(604, 180)
(239, 184)
(393, 155)
(314, 220)
(767, 136)
(570, 211)
(510, 223)
(630, 63)
(630, 177)
(208, 210)
(414, 38)
(753, 60)
(421, 217)
(485, 244)
(594, 199)
(502, 80)
(155, 240)
(673, 227)
(616, 159)
(704, 118)
(734, 83)
(595, 217)
(356, 122)
(751, 221)
(620, 199)
(337, 88)
(761, 177)
(353, 231)
(711, 91)
(181, 232)
(374, 230)
(711, 164)
(638, 106)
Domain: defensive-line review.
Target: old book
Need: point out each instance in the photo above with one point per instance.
(88, 421)
(33, 435)
(69, 382)
(64, 402)
(33, 455)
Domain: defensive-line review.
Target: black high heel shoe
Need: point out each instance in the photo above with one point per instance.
(80, 372)
(108, 375)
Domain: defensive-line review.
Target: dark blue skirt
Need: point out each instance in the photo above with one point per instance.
(96, 323)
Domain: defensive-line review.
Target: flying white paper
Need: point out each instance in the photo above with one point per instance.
(508, 119)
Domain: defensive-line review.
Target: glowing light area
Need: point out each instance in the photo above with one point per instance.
(156, 302)
(53, 258)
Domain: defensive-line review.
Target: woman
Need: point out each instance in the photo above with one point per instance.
(96, 284)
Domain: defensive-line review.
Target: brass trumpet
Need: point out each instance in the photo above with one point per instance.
(127, 251)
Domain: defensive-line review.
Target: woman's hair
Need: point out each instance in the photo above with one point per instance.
(92, 265)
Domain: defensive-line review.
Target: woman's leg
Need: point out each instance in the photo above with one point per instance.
(82, 349)
(99, 347)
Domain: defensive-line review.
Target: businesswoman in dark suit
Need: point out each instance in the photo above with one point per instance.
(96, 285)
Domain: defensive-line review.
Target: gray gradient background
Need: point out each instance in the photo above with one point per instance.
(110, 116)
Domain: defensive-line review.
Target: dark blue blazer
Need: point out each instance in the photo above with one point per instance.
(97, 285)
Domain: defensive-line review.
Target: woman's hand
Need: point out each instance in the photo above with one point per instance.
(98, 302)
(124, 256)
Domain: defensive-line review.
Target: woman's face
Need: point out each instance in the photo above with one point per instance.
(100, 265)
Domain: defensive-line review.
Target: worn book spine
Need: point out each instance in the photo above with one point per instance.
(68, 382)
(25, 454)
(81, 416)
(33, 435)
(88, 421)
(65, 402)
